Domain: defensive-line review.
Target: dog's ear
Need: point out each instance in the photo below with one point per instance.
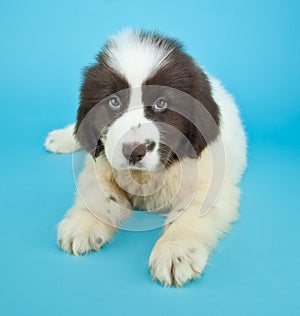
(90, 122)
(87, 134)
(88, 126)
(204, 126)
(85, 131)
(201, 121)
(205, 114)
(93, 116)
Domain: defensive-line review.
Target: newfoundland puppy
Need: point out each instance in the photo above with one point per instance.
(162, 136)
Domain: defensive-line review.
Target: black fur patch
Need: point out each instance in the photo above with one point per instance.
(94, 115)
(191, 108)
(191, 111)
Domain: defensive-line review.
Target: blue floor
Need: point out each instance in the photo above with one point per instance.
(254, 48)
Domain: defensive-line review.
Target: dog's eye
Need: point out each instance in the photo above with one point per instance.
(114, 103)
(160, 105)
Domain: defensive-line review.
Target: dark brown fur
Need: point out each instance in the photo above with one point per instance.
(191, 111)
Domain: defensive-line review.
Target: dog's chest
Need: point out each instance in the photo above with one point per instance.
(152, 192)
(155, 203)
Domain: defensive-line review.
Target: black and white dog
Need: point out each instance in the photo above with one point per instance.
(162, 136)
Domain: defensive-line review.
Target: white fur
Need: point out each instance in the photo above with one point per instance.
(135, 59)
(189, 235)
(94, 218)
(176, 262)
(80, 232)
(62, 140)
(131, 127)
(232, 131)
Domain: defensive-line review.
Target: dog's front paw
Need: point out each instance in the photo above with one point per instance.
(62, 141)
(176, 262)
(81, 232)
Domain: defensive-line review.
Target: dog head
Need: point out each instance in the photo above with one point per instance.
(145, 103)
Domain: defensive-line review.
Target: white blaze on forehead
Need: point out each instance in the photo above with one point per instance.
(136, 101)
(136, 57)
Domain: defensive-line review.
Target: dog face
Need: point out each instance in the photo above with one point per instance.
(145, 104)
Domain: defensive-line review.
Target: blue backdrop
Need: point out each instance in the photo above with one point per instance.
(254, 48)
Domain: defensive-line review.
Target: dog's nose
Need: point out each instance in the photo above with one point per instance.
(134, 152)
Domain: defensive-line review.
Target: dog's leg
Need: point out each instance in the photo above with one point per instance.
(97, 213)
(62, 140)
(183, 250)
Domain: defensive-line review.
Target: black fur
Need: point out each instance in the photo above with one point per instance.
(99, 83)
(192, 110)
(183, 84)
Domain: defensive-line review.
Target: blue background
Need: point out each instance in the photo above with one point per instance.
(254, 48)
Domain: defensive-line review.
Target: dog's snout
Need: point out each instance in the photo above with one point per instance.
(134, 152)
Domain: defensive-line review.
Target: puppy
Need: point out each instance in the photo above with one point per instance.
(162, 136)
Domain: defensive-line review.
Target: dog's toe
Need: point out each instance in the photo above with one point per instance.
(79, 234)
(176, 262)
(62, 141)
